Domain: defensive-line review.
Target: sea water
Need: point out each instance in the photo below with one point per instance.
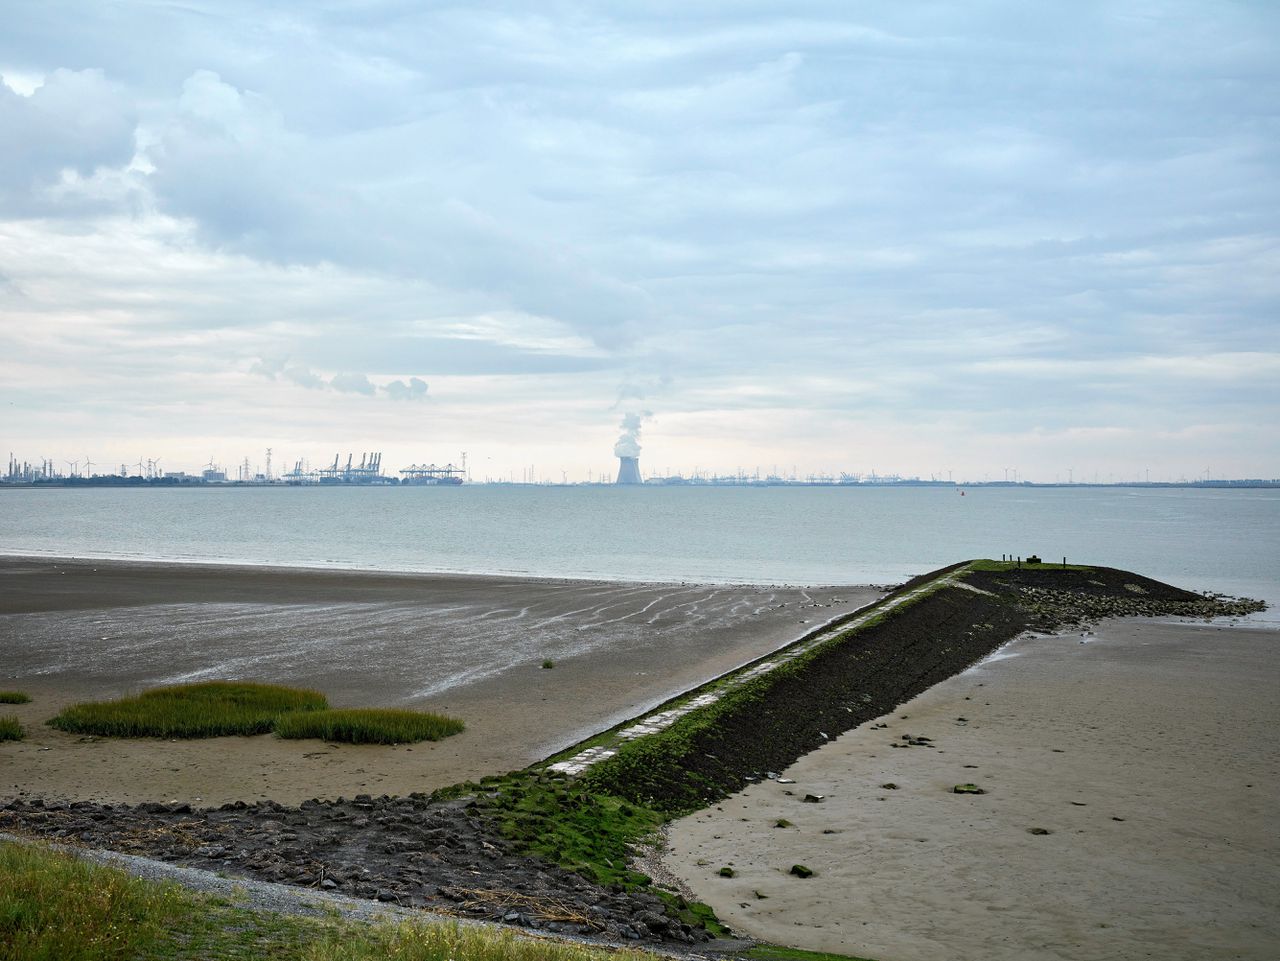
(1203, 539)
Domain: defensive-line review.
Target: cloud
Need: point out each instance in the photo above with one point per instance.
(75, 122)
(352, 384)
(268, 367)
(639, 388)
(346, 383)
(304, 377)
(415, 389)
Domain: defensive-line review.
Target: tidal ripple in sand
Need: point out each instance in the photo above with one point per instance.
(468, 646)
(400, 652)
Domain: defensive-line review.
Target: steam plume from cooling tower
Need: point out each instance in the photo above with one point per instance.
(627, 449)
(628, 444)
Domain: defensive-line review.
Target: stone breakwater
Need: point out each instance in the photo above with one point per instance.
(1059, 608)
(960, 615)
(448, 857)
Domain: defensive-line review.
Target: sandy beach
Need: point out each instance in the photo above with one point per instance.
(468, 646)
(1131, 781)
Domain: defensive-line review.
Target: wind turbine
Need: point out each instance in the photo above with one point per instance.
(73, 464)
(88, 467)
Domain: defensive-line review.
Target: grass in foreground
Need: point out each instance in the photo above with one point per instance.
(10, 729)
(208, 709)
(14, 697)
(368, 726)
(53, 907)
(56, 908)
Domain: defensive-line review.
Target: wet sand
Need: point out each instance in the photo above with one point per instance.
(468, 646)
(1147, 753)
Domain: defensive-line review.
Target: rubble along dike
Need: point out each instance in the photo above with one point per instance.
(548, 850)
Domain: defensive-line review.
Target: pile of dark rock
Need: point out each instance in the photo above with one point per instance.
(1049, 605)
(445, 856)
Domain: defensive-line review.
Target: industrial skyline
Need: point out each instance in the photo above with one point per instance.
(368, 470)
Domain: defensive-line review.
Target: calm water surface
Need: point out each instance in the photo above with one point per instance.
(1202, 539)
(1205, 539)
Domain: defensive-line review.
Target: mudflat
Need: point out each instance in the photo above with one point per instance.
(468, 646)
(1131, 787)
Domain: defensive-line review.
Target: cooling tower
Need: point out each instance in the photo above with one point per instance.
(629, 470)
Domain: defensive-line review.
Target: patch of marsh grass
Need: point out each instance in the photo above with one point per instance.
(368, 726)
(206, 709)
(10, 729)
(14, 697)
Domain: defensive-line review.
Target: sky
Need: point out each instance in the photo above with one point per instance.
(953, 240)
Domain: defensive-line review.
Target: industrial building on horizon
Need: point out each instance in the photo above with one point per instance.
(629, 470)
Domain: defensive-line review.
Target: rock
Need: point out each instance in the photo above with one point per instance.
(889, 786)
(800, 871)
(1038, 831)
(967, 789)
(726, 872)
(814, 798)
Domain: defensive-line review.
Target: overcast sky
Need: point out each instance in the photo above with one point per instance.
(910, 237)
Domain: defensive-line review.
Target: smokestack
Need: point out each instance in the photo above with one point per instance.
(629, 470)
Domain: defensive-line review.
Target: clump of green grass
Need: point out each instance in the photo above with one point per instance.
(559, 820)
(368, 726)
(10, 729)
(548, 664)
(207, 709)
(14, 697)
